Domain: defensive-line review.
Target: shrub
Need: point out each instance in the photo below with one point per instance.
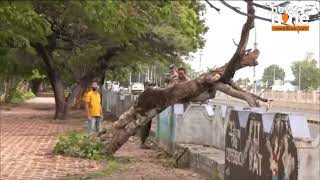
(79, 145)
(19, 96)
(28, 95)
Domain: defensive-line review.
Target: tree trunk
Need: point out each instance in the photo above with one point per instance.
(71, 99)
(35, 85)
(59, 97)
(54, 78)
(6, 90)
(154, 100)
(10, 89)
(79, 99)
(102, 77)
(150, 103)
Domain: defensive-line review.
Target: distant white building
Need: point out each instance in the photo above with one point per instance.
(279, 86)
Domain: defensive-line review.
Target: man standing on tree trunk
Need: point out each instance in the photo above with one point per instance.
(182, 75)
(177, 76)
(93, 107)
(173, 76)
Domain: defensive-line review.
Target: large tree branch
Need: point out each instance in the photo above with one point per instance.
(242, 13)
(241, 56)
(212, 6)
(227, 89)
(313, 17)
(262, 6)
(236, 87)
(154, 100)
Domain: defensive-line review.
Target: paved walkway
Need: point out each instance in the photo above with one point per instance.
(28, 135)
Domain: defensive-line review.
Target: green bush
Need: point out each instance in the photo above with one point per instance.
(28, 95)
(79, 145)
(19, 96)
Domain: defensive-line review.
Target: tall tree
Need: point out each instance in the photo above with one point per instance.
(308, 73)
(271, 73)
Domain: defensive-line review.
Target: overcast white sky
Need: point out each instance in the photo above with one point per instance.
(281, 48)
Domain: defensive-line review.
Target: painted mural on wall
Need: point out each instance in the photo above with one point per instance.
(284, 158)
(233, 162)
(253, 154)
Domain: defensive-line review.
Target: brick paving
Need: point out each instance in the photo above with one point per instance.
(28, 135)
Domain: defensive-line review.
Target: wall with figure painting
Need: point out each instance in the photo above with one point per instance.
(255, 152)
(253, 143)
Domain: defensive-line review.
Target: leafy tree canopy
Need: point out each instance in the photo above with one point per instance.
(20, 24)
(273, 72)
(309, 73)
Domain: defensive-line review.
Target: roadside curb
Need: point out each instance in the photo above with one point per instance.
(205, 160)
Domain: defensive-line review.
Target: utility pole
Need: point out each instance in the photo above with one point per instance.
(150, 80)
(254, 67)
(155, 74)
(139, 74)
(139, 77)
(274, 75)
(148, 77)
(200, 59)
(299, 77)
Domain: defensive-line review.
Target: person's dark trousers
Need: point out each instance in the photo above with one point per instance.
(145, 131)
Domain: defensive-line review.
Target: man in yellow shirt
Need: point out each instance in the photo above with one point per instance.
(93, 107)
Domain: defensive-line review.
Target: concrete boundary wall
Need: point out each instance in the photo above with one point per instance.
(202, 125)
(196, 134)
(300, 97)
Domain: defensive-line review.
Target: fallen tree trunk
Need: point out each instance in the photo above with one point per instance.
(154, 100)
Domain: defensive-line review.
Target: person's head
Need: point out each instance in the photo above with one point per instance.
(173, 69)
(182, 72)
(94, 86)
(216, 76)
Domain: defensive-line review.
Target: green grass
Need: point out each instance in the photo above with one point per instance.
(215, 175)
(19, 97)
(170, 161)
(79, 144)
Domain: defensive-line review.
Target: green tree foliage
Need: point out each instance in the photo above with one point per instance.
(81, 40)
(37, 75)
(18, 62)
(309, 75)
(151, 30)
(20, 24)
(271, 72)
